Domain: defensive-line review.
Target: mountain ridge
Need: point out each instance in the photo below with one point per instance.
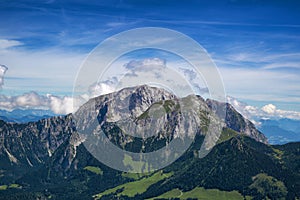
(25, 116)
(52, 132)
(50, 153)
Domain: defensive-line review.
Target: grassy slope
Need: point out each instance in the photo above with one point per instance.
(136, 187)
(227, 134)
(201, 193)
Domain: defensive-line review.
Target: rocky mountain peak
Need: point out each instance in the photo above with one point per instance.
(126, 103)
(33, 143)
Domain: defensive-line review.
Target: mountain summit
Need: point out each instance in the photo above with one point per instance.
(145, 119)
(137, 102)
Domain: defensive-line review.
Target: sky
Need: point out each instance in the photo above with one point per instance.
(255, 45)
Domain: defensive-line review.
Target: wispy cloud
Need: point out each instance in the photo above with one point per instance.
(258, 73)
(262, 58)
(51, 68)
(260, 84)
(283, 65)
(6, 44)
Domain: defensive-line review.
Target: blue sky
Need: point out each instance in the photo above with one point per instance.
(255, 43)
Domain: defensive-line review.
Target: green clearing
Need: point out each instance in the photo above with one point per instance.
(202, 194)
(278, 153)
(11, 186)
(14, 185)
(3, 187)
(226, 135)
(94, 169)
(136, 187)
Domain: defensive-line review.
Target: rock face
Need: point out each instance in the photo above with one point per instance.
(32, 144)
(237, 122)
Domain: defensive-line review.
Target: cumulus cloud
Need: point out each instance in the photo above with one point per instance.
(3, 69)
(103, 87)
(272, 111)
(254, 113)
(57, 104)
(33, 100)
(269, 109)
(98, 89)
(61, 105)
(26, 100)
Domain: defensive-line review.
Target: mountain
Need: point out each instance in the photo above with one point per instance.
(280, 131)
(26, 115)
(47, 159)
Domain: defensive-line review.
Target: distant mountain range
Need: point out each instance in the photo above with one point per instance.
(25, 115)
(47, 159)
(280, 131)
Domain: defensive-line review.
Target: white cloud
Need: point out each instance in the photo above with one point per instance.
(5, 44)
(57, 104)
(154, 61)
(61, 105)
(26, 100)
(32, 100)
(3, 69)
(243, 108)
(272, 111)
(102, 88)
(267, 111)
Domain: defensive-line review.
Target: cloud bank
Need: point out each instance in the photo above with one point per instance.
(57, 104)
(254, 113)
(32, 100)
